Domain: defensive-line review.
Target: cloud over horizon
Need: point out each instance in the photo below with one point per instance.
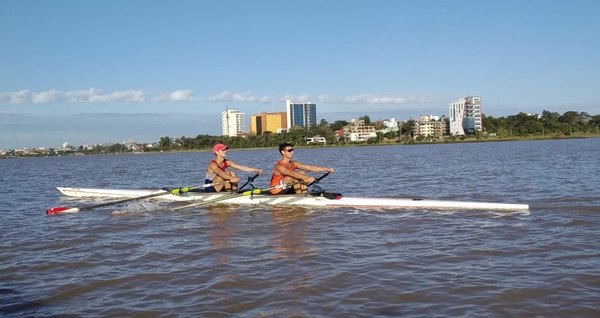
(94, 95)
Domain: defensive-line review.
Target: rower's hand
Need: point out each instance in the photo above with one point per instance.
(259, 171)
(330, 170)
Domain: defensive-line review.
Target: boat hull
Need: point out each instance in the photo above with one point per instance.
(294, 199)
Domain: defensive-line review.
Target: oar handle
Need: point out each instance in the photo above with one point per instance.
(319, 178)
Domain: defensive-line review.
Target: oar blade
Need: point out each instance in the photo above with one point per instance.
(61, 209)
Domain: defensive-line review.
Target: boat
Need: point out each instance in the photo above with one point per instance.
(323, 199)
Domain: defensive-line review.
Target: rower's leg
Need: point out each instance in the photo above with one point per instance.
(218, 181)
(234, 186)
(301, 187)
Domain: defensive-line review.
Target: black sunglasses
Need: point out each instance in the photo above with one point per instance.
(289, 150)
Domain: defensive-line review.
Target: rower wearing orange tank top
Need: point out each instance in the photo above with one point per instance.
(290, 172)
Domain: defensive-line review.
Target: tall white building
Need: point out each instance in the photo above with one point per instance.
(465, 116)
(232, 122)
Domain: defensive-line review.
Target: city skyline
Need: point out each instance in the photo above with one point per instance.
(170, 68)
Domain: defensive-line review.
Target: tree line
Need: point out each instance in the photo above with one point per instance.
(519, 125)
(549, 123)
(513, 126)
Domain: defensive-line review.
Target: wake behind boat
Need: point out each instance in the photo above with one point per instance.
(321, 200)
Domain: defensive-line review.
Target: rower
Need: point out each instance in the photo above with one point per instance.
(292, 172)
(218, 174)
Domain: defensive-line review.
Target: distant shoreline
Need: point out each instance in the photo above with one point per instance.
(364, 144)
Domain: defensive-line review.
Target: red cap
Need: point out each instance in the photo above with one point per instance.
(218, 147)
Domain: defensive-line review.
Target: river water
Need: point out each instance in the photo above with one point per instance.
(265, 261)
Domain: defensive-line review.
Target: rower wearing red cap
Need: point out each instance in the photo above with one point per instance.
(217, 173)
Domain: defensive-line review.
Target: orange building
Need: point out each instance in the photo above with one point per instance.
(268, 123)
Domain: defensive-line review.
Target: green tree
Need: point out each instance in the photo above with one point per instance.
(338, 124)
(407, 128)
(164, 143)
(366, 119)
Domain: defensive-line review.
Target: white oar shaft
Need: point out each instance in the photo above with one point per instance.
(176, 191)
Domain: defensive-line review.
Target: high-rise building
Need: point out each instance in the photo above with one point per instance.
(465, 116)
(232, 122)
(301, 114)
(268, 122)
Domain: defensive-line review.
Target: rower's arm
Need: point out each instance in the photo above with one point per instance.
(314, 168)
(296, 175)
(244, 168)
(216, 170)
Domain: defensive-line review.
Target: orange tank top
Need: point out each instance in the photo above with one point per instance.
(277, 177)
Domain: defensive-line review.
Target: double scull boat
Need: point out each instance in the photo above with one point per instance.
(322, 200)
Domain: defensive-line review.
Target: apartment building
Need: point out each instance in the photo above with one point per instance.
(232, 122)
(465, 116)
(431, 126)
(358, 131)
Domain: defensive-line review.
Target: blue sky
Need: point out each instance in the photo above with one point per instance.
(90, 72)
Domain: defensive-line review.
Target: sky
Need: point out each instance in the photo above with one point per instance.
(98, 71)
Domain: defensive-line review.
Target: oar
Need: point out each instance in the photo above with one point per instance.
(281, 185)
(225, 196)
(229, 195)
(175, 191)
(250, 179)
(318, 179)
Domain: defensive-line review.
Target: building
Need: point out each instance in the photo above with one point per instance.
(268, 123)
(390, 125)
(316, 140)
(431, 126)
(301, 114)
(232, 122)
(358, 131)
(465, 116)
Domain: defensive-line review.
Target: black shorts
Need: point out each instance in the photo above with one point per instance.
(211, 188)
(289, 190)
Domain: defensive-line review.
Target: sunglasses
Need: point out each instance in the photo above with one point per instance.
(290, 150)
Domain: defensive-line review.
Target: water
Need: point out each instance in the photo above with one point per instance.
(220, 261)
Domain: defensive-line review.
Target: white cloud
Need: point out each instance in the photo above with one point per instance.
(120, 96)
(50, 96)
(19, 97)
(180, 96)
(94, 95)
(244, 97)
(326, 98)
(81, 95)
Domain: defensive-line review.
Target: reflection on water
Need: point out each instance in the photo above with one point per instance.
(290, 227)
(223, 227)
